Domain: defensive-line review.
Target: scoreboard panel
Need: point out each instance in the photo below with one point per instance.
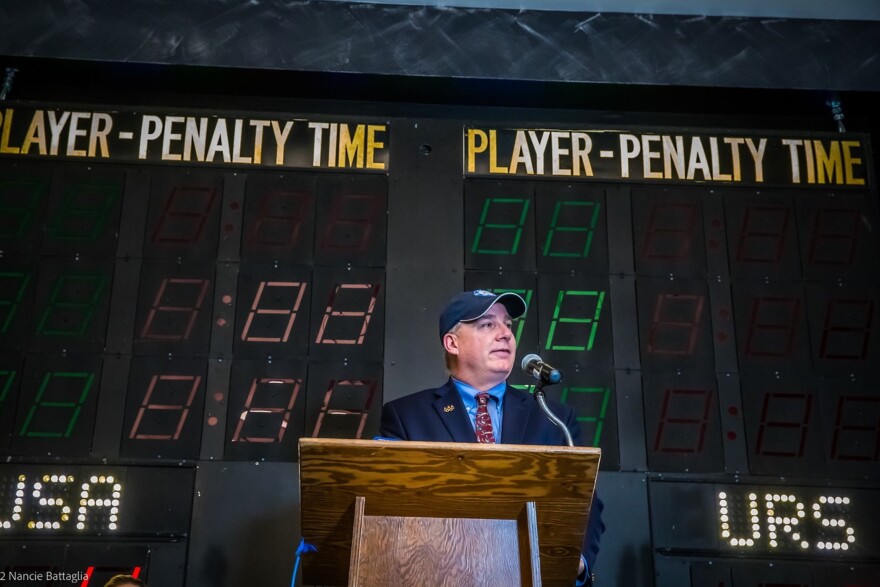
(168, 323)
(122, 290)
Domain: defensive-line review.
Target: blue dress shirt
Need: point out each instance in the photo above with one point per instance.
(496, 401)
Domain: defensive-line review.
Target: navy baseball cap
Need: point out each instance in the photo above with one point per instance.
(470, 305)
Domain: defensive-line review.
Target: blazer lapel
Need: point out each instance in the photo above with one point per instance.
(451, 412)
(516, 416)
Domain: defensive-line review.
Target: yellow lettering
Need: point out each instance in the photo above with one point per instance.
(258, 125)
(101, 125)
(792, 145)
(493, 154)
(319, 128)
(237, 157)
(7, 127)
(716, 161)
(151, 129)
(629, 149)
(647, 155)
(36, 133)
(219, 142)
(558, 151)
(540, 145)
(849, 161)
(195, 137)
(55, 128)
(521, 154)
(331, 147)
(808, 153)
(351, 149)
(735, 144)
(73, 132)
(828, 163)
(475, 146)
(581, 145)
(169, 136)
(697, 160)
(758, 157)
(673, 154)
(281, 136)
(373, 144)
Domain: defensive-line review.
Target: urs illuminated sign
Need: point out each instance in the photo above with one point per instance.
(757, 521)
(787, 520)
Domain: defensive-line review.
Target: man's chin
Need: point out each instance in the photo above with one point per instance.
(503, 369)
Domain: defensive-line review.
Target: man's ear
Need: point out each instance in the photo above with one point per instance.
(450, 343)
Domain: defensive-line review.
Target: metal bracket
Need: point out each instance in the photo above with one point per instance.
(836, 113)
(7, 82)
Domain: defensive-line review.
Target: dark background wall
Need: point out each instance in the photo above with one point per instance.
(452, 42)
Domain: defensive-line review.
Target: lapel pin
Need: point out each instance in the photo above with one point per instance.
(449, 408)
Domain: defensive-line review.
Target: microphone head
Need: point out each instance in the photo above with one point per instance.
(524, 365)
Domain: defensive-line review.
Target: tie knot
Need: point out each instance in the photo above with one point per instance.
(483, 398)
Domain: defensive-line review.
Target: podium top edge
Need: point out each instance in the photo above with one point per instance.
(331, 443)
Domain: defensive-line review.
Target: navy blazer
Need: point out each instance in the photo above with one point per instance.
(426, 416)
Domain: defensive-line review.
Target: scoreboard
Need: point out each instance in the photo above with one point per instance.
(137, 338)
(179, 297)
(305, 292)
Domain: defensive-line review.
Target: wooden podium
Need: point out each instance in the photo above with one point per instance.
(410, 514)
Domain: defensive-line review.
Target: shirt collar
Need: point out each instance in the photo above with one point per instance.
(496, 392)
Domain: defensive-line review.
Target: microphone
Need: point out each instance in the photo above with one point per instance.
(533, 366)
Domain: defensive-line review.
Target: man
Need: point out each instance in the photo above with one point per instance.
(476, 404)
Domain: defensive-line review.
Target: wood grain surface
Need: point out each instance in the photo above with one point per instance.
(443, 480)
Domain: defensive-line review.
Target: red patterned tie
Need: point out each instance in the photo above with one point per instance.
(484, 421)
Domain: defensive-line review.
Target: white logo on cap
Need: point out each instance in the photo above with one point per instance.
(483, 292)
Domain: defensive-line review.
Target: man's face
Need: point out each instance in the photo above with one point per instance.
(485, 349)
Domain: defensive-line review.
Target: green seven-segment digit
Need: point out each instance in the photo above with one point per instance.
(57, 303)
(485, 226)
(10, 306)
(74, 406)
(599, 418)
(519, 323)
(23, 197)
(84, 220)
(592, 322)
(588, 231)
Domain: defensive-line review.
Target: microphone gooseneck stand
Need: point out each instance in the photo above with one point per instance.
(539, 396)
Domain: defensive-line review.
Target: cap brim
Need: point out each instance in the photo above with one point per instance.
(513, 303)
